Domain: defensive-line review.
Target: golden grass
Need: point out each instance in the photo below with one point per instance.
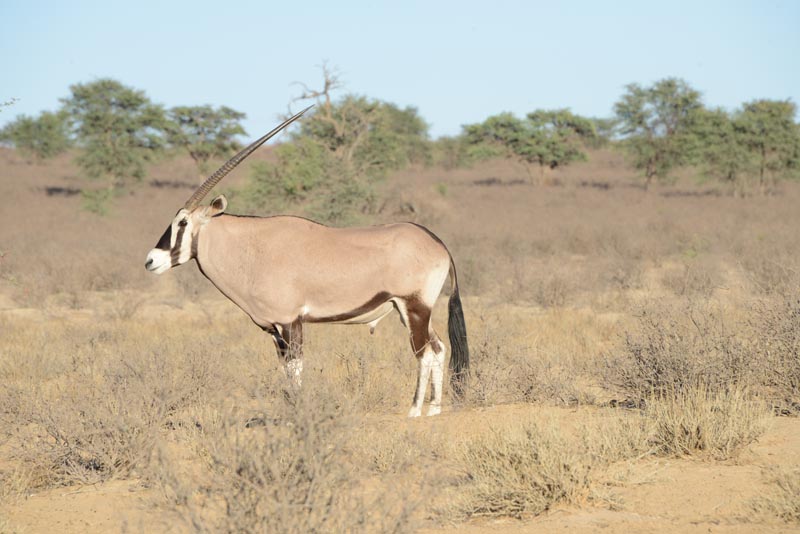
(699, 421)
(517, 471)
(782, 500)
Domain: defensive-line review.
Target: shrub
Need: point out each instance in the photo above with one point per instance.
(777, 349)
(675, 349)
(782, 501)
(517, 471)
(39, 138)
(701, 421)
(289, 471)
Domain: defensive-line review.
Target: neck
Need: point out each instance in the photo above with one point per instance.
(223, 258)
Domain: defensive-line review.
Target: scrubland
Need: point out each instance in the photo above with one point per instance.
(635, 367)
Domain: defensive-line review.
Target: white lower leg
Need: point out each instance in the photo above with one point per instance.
(437, 378)
(425, 366)
(294, 370)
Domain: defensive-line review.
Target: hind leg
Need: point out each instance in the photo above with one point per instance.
(437, 375)
(429, 352)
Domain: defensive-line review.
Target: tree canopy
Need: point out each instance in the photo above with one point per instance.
(204, 132)
(118, 127)
(39, 137)
(547, 138)
(656, 124)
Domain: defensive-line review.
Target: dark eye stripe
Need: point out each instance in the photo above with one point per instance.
(175, 253)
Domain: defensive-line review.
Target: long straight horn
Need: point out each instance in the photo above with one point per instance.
(214, 179)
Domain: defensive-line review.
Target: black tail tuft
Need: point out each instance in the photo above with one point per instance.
(459, 350)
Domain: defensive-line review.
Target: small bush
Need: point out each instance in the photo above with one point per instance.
(39, 138)
(95, 412)
(783, 501)
(692, 279)
(777, 349)
(700, 421)
(771, 276)
(676, 349)
(502, 371)
(516, 472)
(288, 471)
(622, 436)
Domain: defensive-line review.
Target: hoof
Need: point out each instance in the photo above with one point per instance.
(434, 410)
(414, 412)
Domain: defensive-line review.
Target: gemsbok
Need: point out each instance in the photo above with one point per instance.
(285, 271)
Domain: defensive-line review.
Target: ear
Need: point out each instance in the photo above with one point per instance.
(217, 207)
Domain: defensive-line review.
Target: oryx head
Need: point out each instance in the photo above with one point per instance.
(178, 244)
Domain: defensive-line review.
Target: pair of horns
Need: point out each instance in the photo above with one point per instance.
(214, 179)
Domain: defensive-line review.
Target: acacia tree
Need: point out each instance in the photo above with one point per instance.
(39, 138)
(119, 130)
(769, 134)
(342, 148)
(205, 132)
(547, 138)
(757, 144)
(657, 123)
(718, 149)
(557, 138)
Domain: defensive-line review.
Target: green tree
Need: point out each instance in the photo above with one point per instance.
(557, 138)
(768, 132)
(605, 130)
(205, 132)
(717, 148)
(547, 138)
(758, 144)
(656, 123)
(38, 138)
(119, 130)
(330, 168)
(502, 131)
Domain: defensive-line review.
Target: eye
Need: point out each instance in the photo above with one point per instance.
(182, 222)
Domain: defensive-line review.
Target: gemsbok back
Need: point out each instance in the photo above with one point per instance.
(285, 271)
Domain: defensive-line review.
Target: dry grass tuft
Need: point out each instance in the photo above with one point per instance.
(674, 349)
(783, 501)
(620, 436)
(700, 421)
(777, 347)
(517, 471)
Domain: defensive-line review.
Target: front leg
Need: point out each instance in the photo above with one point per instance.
(293, 334)
(288, 340)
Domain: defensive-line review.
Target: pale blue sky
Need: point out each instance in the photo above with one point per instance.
(457, 61)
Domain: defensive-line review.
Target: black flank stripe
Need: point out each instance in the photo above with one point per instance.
(370, 305)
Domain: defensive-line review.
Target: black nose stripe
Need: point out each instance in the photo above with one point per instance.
(163, 243)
